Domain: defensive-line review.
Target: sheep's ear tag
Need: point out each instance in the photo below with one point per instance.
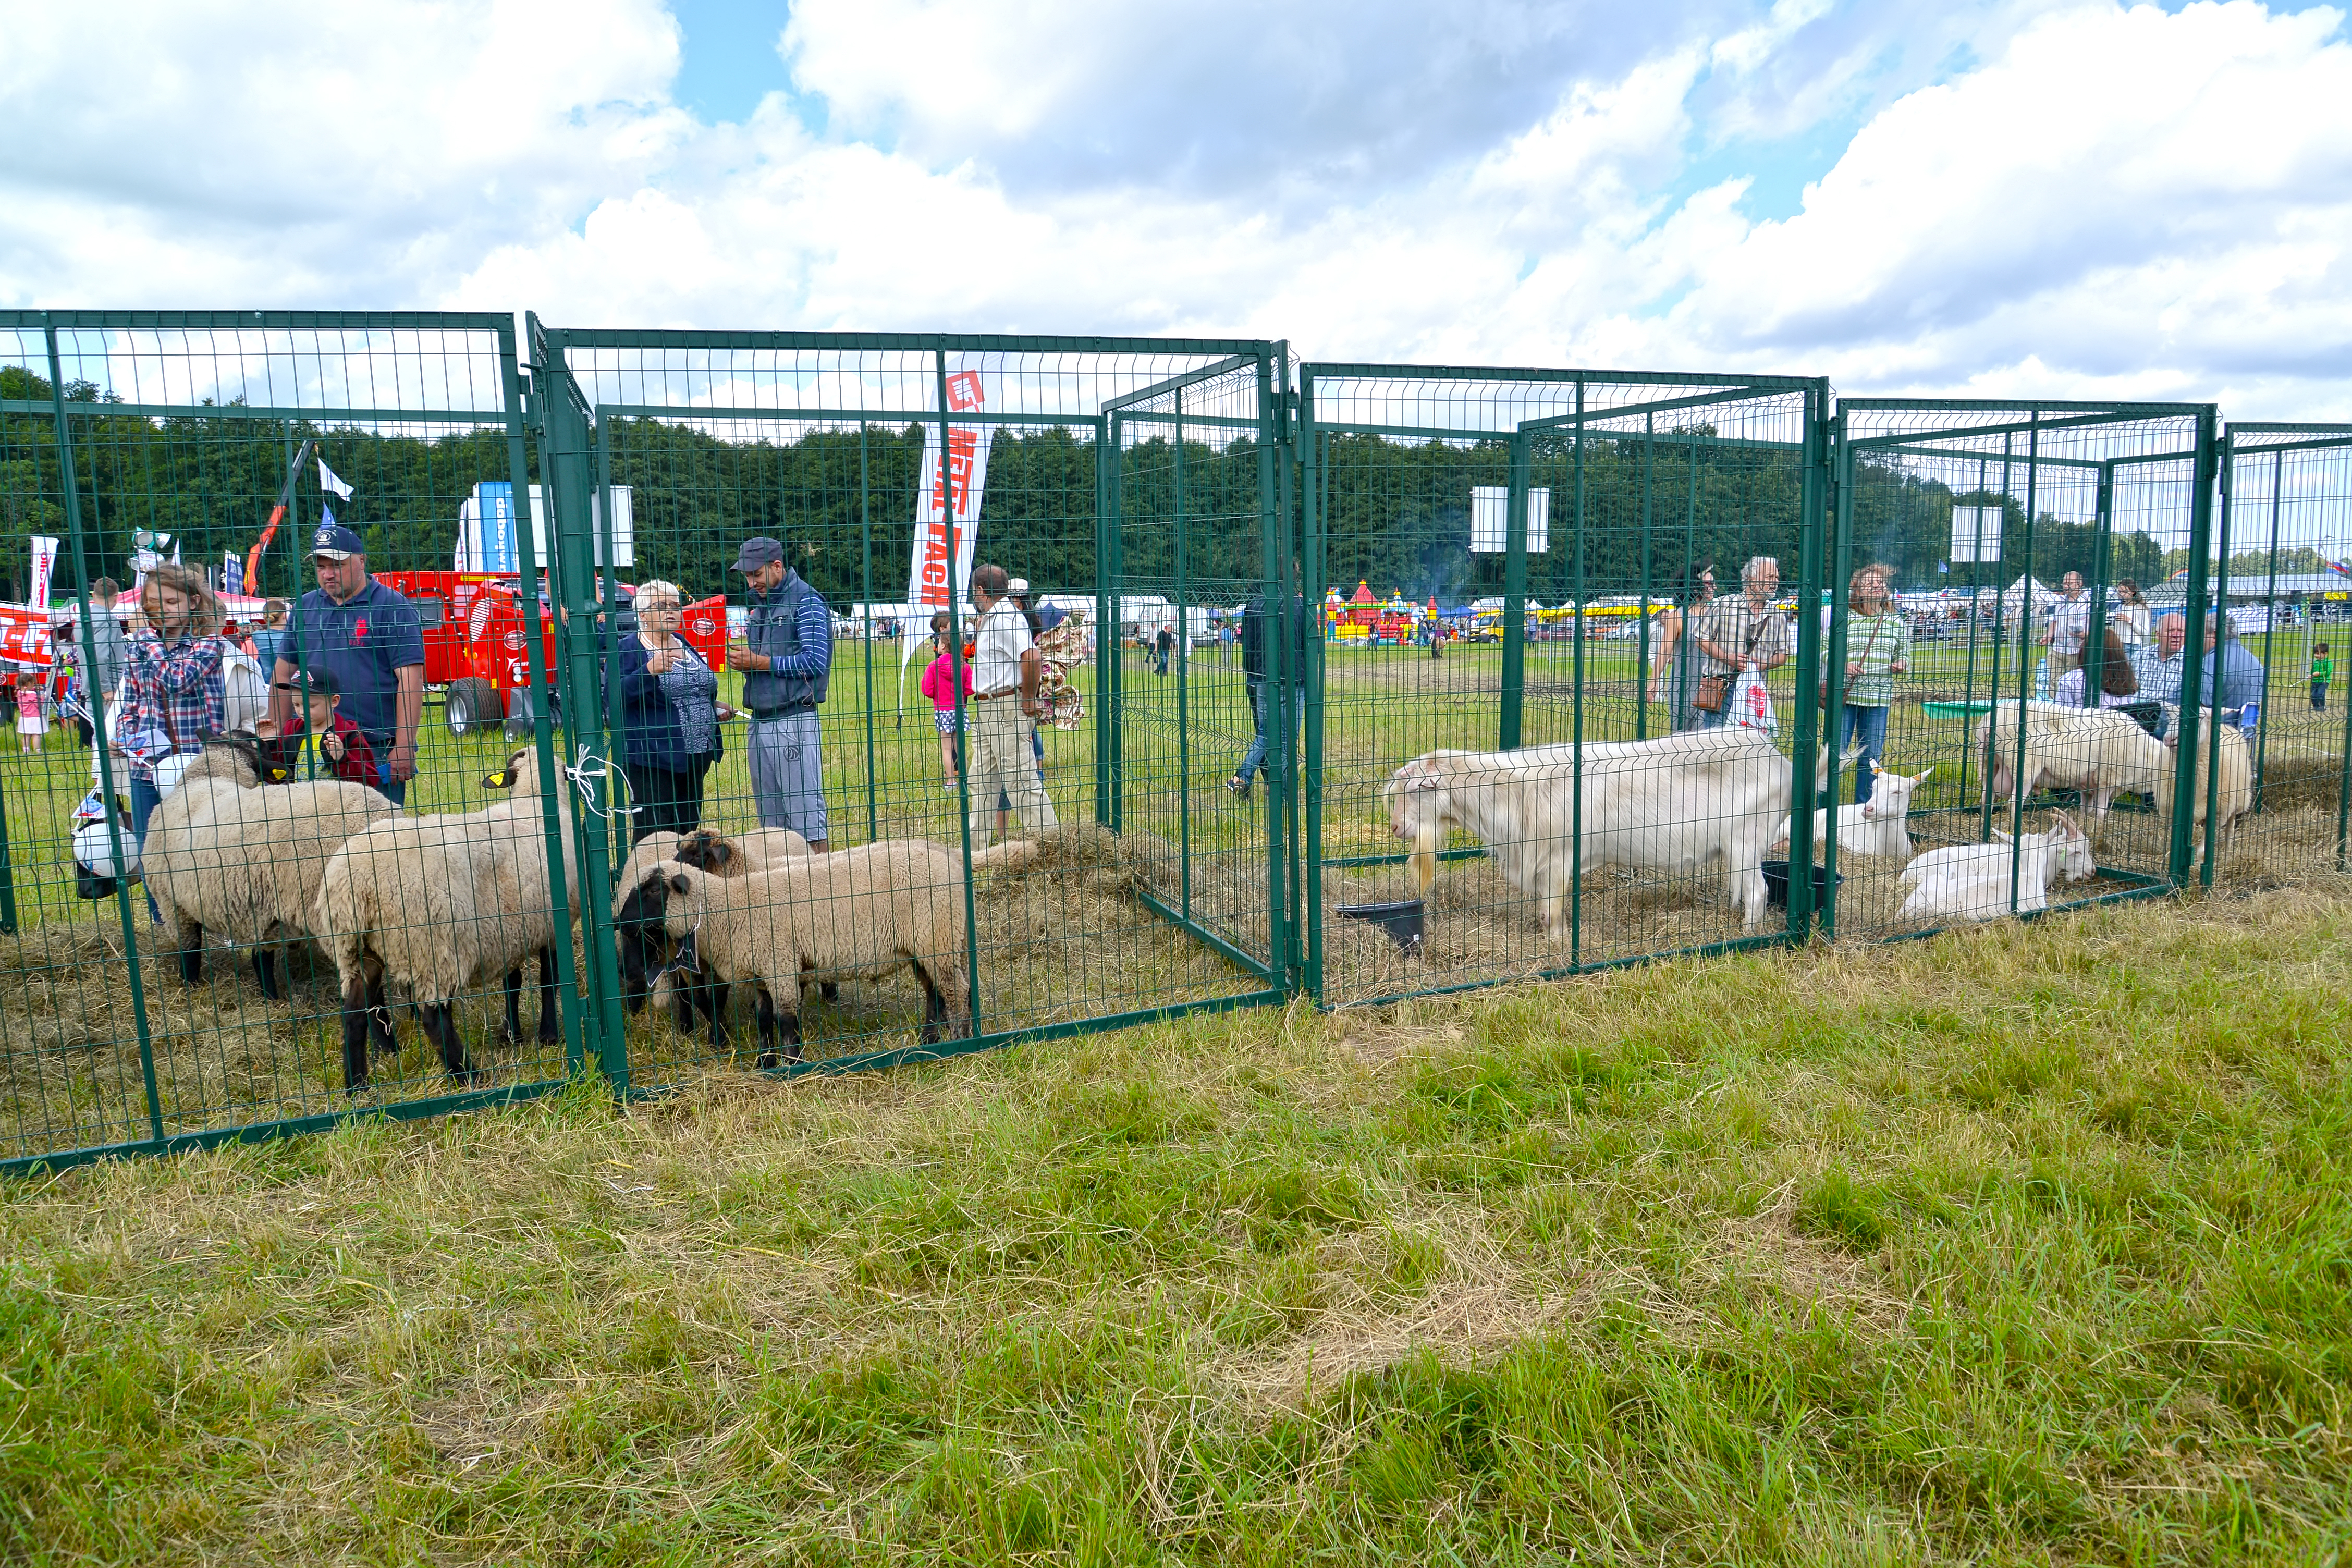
(278, 775)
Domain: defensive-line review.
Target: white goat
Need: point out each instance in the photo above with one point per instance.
(1972, 881)
(2098, 751)
(1879, 826)
(1676, 803)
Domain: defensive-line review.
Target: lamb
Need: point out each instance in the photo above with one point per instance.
(230, 854)
(2098, 751)
(1972, 881)
(638, 937)
(437, 902)
(861, 912)
(1879, 826)
(1676, 803)
(2235, 797)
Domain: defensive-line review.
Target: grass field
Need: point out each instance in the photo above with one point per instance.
(2027, 1244)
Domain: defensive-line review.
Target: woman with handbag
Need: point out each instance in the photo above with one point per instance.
(669, 716)
(1877, 649)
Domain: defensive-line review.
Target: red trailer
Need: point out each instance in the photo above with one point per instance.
(473, 646)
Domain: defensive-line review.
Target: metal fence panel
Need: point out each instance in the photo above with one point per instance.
(2042, 526)
(174, 442)
(2285, 603)
(1553, 529)
(832, 444)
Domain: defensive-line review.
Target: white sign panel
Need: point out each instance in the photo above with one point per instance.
(1490, 520)
(1975, 528)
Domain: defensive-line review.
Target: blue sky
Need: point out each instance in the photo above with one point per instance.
(1973, 197)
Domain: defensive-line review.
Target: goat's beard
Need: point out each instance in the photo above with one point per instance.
(1428, 839)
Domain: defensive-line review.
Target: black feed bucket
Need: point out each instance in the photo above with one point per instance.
(1402, 921)
(1776, 884)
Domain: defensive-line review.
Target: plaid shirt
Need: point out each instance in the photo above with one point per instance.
(1730, 623)
(175, 690)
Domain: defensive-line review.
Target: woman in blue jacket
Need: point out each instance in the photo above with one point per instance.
(669, 716)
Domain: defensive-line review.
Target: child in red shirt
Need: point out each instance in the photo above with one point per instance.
(345, 751)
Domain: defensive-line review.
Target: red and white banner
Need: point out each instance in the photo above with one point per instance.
(45, 566)
(949, 503)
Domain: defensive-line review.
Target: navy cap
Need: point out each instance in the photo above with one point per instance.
(337, 544)
(757, 553)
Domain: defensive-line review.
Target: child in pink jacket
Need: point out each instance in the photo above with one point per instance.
(939, 685)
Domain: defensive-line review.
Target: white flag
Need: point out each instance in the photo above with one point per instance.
(936, 579)
(328, 481)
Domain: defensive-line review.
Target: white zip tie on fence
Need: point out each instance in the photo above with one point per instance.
(596, 771)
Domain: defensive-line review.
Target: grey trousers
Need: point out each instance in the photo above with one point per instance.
(787, 774)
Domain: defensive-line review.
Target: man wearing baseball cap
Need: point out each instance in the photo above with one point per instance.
(372, 640)
(786, 656)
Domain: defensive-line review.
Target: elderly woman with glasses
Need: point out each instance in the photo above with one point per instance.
(670, 715)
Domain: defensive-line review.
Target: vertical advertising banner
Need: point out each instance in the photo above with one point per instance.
(45, 564)
(940, 572)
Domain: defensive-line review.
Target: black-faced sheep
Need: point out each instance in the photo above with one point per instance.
(438, 903)
(644, 947)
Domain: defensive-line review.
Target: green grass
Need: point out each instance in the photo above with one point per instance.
(2028, 1244)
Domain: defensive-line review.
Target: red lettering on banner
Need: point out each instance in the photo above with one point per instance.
(963, 390)
(963, 450)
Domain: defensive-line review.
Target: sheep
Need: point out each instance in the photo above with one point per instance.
(230, 854)
(437, 902)
(638, 938)
(1972, 881)
(860, 912)
(1879, 826)
(2235, 797)
(2098, 751)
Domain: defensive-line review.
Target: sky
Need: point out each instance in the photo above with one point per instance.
(1964, 198)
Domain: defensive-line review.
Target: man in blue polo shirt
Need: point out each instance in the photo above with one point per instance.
(372, 640)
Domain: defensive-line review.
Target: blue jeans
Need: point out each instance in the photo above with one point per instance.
(1866, 726)
(1255, 758)
(394, 792)
(144, 798)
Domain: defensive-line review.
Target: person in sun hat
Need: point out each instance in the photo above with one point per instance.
(786, 655)
(373, 639)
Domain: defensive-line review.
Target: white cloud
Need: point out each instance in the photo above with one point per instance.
(2083, 199)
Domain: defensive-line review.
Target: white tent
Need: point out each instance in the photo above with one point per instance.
(2041, 595)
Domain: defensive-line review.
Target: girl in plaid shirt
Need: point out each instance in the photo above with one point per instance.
(174, 693)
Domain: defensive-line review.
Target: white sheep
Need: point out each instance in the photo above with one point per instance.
(2098, 751)
(1973, 881)
(440, 902)
(644, 947)
(1879, 826)
(2234, 795)
(243, 860)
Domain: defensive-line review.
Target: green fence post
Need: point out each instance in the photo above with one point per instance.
(2270, 623)
(1805, 745)
(1106, 620)
(563, 474)
(1274, 549)
(1838, 517)
(577, 1041)
(1576, 700)
(70, 485)
(866, 628)
(1183, 663)
(2211, 690)
(947, 494)
(1649, 523)
(1514, 597)
(1311, 478)
(2025, 657)
(2201, 540)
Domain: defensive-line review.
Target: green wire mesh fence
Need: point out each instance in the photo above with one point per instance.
(2012, 726)
(2285, 620)
(194, 459)
(1014, 851)
(1530, 598)
(1410, 679)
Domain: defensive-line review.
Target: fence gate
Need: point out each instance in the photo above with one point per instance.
(667, 450)
(198, 447)
(1566, 525)
(2042, 523)
(2286, 515)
